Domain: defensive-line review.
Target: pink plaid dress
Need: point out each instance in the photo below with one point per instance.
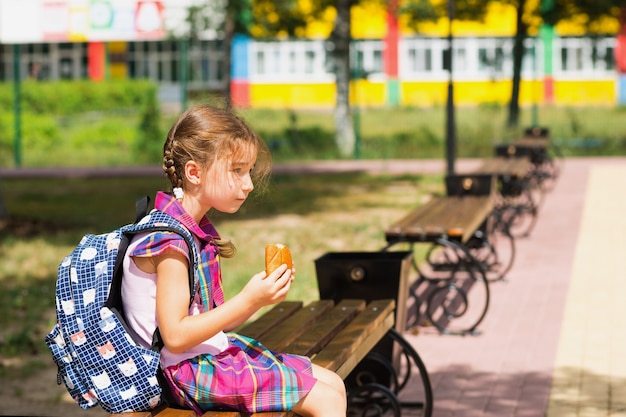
(246, 376)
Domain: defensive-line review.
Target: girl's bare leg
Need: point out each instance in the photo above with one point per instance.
(326, 399)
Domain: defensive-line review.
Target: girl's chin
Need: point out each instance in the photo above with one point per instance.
(229, 210)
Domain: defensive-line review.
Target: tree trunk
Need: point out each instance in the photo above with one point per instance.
(229, 34)
(340, 41)
(518, 56)
(3, 211)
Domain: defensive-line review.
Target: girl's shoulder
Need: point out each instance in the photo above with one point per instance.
(156, 243)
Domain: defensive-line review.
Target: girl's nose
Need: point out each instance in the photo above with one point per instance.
(247, 183)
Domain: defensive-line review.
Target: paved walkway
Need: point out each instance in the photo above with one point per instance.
(553, 342)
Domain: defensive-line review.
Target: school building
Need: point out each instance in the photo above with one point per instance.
(393, 65)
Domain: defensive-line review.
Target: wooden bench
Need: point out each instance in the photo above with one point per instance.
(449, 218)
(538, 148)
(335, 336)
(448, 224)
(513, 176)
(514, 213)
(525, 195)
(504, 167)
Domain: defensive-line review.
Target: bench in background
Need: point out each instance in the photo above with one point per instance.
(448, 224)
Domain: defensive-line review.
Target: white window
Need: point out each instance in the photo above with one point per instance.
(422, 58)
(367, 57)
(288, 61)
(584, 58)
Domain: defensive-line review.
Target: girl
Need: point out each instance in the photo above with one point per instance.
(210, 157)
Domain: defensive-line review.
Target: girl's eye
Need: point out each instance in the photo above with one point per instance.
(242, 171)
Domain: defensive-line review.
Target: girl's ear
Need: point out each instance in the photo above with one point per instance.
(193, 173)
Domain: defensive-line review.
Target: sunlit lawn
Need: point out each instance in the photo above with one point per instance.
(312, 214)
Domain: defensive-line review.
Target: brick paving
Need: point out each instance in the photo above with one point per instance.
(551, 343)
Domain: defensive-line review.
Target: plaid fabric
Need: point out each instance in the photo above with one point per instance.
(246, 377)
(209, 271)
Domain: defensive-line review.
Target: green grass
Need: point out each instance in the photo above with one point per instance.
(312, 214)
(420, 133)
(112, 139)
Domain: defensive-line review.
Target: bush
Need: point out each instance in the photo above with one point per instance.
(63, 98)
(82, 122)
(39, 132)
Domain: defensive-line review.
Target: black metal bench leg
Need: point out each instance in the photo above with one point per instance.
(442, 294)
(494, 247)
(374, 386)
(446, 291)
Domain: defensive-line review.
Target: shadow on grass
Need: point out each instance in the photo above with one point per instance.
(95, 205)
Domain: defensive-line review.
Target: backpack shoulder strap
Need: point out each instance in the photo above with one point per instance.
(142, 208)
(153, 221)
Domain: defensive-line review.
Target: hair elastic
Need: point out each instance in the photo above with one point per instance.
(178, 193)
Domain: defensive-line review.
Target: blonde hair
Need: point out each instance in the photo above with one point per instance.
(207, 134)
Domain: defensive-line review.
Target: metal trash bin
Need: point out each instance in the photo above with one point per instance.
(368, 276)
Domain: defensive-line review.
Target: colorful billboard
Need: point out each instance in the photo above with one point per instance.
(40, 21)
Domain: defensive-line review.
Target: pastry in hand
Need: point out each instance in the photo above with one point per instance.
(277, 254)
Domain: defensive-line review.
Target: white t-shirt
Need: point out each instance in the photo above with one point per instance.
(139, 301)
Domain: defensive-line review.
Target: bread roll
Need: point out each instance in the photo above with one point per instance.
(277, 254)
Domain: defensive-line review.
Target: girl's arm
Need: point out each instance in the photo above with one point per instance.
(257, 280)
(180, 331)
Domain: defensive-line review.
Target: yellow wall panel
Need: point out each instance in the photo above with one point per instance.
(584, 93)
(472, 93)
(118, 71)
(531, 92)
(423, 94)
(292, 95)
(369, 94)
(428, 94)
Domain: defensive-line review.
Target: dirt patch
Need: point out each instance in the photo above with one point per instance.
(39, 395)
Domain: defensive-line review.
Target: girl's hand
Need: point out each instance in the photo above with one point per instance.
(264, 290)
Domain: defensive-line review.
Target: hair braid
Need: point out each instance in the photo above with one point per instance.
(169, 161)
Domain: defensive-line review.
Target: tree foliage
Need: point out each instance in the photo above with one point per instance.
(591, 11)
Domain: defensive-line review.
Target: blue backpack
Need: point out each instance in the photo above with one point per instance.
(95, 350)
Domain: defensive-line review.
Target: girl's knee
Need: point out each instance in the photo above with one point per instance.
(324, 400)
(330, 378)
(337, 382)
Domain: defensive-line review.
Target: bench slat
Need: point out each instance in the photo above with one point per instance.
(412, 222)
(444, 216)
(324, 330)
(175, 412)
(351, 345)
(471, 214)
(270, 319)
(532, 142)
(448, 218)
(136, 414)
(517, 167)
(163, 411)
(294, 326)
